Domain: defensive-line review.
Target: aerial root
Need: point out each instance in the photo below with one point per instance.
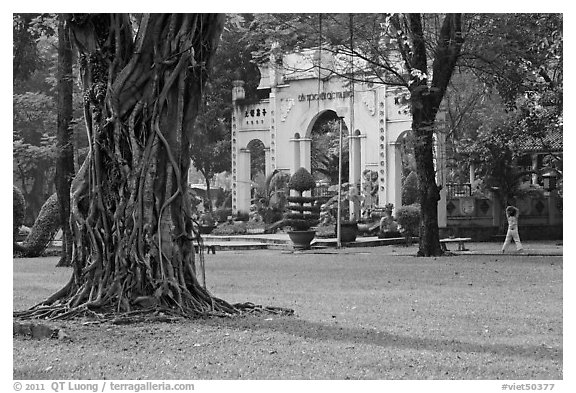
(253, 308)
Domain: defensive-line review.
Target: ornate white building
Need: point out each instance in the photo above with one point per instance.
(297, 97)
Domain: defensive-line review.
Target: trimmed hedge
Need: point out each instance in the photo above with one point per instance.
(301, 199)
(301, 225)
(301, 216)
(304, 208)
(302, 180)
(408, 217)
(236, 228)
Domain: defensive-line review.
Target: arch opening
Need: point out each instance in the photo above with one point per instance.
(324, 158)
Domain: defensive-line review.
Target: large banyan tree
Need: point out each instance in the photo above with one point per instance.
(133, 238)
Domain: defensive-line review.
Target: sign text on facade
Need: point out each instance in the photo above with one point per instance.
(325, 96)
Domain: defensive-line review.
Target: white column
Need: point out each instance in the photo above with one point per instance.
(267, 161)
(355, 163)
(305, 153)
(472, 173)
(534, 168)
(295, 164)
(243, 181)
(363, 156)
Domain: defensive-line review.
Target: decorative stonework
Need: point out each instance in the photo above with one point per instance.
(382, 145)
(369, 100)
(285, 106)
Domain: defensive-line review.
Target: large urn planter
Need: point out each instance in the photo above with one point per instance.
(301, 239)
(206, 229)
(349, 231)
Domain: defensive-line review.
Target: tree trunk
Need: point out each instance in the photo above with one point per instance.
(133, 235)
(42, 232)
(208, 195)
(428, 192)
(35, 198)
(425, 99)
(65, 160)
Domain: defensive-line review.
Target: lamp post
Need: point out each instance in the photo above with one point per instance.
(339, 214)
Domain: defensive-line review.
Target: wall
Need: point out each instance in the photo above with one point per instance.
(482, 219)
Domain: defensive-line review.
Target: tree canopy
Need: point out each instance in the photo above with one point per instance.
(210, 149)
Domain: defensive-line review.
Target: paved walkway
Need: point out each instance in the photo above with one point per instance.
(281, 241)
(396, 246)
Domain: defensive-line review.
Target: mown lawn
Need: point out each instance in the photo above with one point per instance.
(359, 314)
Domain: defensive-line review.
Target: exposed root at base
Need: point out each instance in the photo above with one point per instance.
(150, 314)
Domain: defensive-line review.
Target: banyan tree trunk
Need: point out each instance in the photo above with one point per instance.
(131, 227)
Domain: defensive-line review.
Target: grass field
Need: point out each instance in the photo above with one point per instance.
(359, 314)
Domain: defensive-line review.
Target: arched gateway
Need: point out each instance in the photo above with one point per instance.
(297, 97)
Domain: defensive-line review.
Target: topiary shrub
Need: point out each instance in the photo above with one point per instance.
(301, 181)
(408, 218)
(302, 213)
(18, 210)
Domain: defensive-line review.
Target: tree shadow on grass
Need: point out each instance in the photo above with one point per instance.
(325, 332)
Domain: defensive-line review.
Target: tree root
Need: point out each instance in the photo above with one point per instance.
(149, 314)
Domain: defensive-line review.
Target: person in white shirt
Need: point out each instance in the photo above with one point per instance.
(512, 216)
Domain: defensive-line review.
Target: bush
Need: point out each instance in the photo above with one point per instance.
(301, 199)
(301, 181)
(410, 189)
(18, 209)
(408, 217)
(237, 228)
(207, 219)
(326, 231)
(301, 224)
(271, 215)
(222, 214)
(227, 229)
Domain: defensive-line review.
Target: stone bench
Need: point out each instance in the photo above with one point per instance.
(206, 246)
(459, 240)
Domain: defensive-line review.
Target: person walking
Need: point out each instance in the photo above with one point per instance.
(512, 233)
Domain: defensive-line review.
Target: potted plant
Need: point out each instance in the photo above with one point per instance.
(348, 221)
(206, 224)
(302, 212)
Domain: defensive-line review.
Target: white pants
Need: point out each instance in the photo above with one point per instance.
(512, 234)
